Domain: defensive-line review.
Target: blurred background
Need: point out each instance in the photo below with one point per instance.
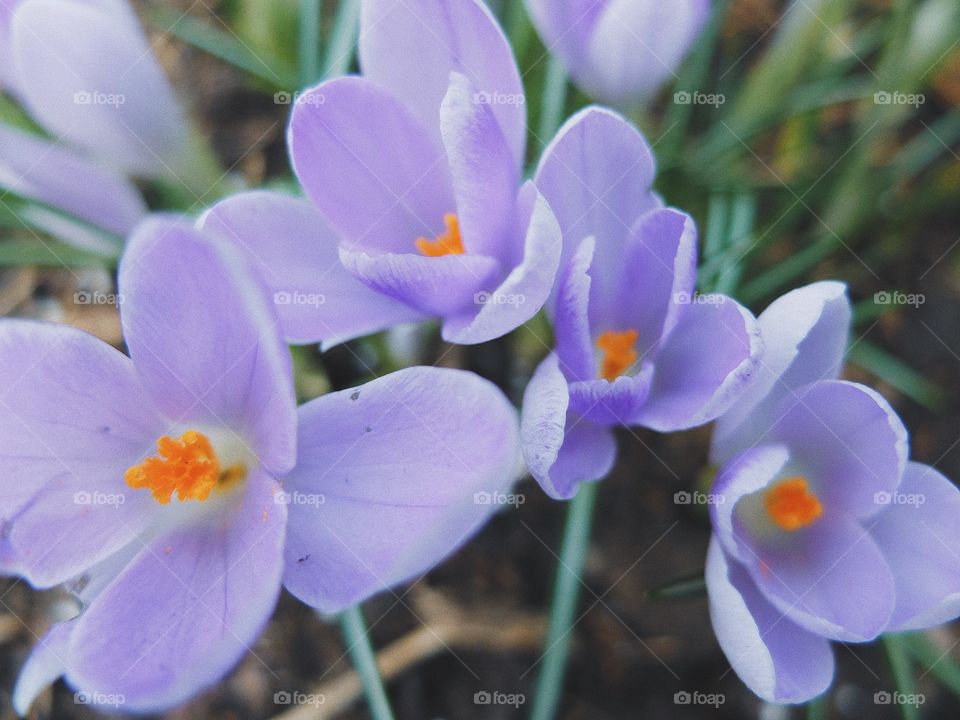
(810, 139)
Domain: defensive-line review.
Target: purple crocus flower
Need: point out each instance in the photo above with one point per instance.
(822, 528)
(161, 486)
(412, 171)
(619, 51)
(110, 115)
(634, 344)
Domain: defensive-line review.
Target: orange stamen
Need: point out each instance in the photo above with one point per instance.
(791, 505)
(448, 243)
(619, 352)
(188, 467)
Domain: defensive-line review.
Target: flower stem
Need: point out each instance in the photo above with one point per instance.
(308, 44)
(354, 630)
(566, 593)
(343, 39)
(554, 101)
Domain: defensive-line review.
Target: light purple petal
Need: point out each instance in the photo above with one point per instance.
(485, 174)
(597, 175)
(847, 439)
(411, 47)
(919, 534)
(830, 578)
(612, 403)
(637, 45)
(203, 339)
(52, 174)
(369, 165)
(118, 105)
(525, 289)
(805, 335)
(780, 661)
(703, 364)
(391, 478)
(442, 286)
(7, 72)
(295, 252)
(46, 663)
(657, 277)
(186, 608)
(566, 25)
(588, 454)
(571, 321)
(74, 416)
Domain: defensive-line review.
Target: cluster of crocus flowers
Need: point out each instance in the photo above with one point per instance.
(413, 173)
(635, 344)
(822, 527)
(178, 488)
(620, 51)
(108, 116)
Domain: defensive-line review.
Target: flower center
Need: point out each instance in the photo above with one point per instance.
(188, 467)
(791, 505)
(619, 352)
(448, 243)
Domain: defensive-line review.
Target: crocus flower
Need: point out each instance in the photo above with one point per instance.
(634, 344)
(162, 487)
(619, 51)
(822, 528)
(110, 115)
(414, 168)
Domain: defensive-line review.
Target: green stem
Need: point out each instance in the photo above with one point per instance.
(308, 45)
(566, 593)
(554, 101)
(354, 630)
